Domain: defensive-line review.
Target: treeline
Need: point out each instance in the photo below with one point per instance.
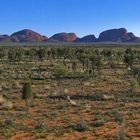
(89, 58)
(84, 55)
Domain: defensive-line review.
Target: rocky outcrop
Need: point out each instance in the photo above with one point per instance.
(112, 35)
(87, 39)
(27, 35)
(136, 40)
(4, 38)
(65, 37)
(116, 35)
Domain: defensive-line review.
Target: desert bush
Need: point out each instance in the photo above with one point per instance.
(8, 123)
(60, 71)
(40, 125)
(81, 127)
(7, 133)
(117, 116)
(120, 136)
(27, 95)
(133, 84)
(129, 57)
(136, 70)
(98, 123)
(27, 91)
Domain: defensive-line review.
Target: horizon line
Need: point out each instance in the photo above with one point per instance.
(79, 36)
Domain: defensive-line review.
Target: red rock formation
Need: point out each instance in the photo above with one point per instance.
(4, 38)
(112, 35)
(65, 37)
(116, 35)
(86, 39)
(27, 35)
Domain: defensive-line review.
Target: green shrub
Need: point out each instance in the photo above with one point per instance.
(7, 133)
(8, 123)
(118, 117)
(40, 125)
(81, 127)
(27, 91)
(27, 95)
(120, 136)
(60, 71)
(133, 84)
(98, 123)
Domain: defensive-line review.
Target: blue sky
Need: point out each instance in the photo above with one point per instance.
(80, 16)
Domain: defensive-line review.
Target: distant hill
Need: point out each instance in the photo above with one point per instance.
(117, 35)
(27, 35)
(120, 35)
(4, 38)
(86, 39)
(64, 37)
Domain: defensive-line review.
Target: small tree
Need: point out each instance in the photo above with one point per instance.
(74, 67)
(41, 54)
(82, 58)
(99, 63)
(93, 64)
(129, 57)
(27, 94)
(133, 85)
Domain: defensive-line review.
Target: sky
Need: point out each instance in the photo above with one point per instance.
(80, 16)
